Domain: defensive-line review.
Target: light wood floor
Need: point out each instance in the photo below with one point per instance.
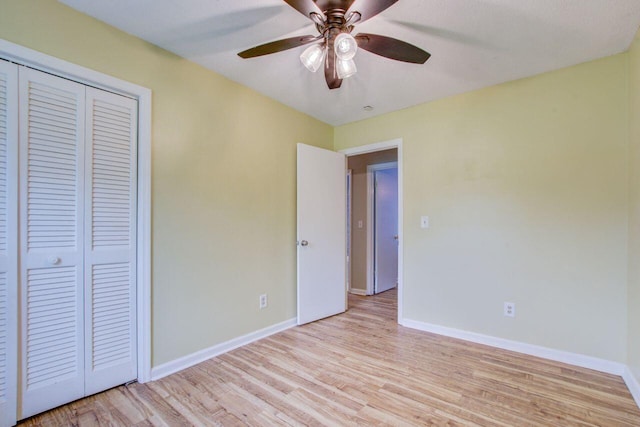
(361, 368)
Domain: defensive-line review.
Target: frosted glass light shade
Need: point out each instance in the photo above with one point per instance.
(312, 57)
(345, 68)
(345, 46)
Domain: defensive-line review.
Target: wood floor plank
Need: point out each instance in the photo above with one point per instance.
(362, 369)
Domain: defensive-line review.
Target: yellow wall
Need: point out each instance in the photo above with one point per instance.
(525, 185)
(223, 179)
(633, 359)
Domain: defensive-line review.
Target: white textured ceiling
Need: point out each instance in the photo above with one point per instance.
(473, 43)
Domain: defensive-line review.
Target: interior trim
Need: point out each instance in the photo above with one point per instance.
(189, 360)
(632, 384)
(574, 359)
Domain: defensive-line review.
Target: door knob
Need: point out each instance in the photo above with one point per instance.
(304, 243)
(53, 260)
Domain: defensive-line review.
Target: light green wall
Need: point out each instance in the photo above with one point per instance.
(223, 179)
(525, 185)
(633, 359)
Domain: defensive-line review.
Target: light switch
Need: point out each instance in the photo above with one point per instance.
(360, 224)
(424, 221)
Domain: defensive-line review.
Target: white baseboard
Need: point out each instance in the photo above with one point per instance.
(632, 384)
(185, 362)
(358, 292)
(575, 359)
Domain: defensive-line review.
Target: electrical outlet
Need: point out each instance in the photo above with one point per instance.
(509, 309)
(263, 301)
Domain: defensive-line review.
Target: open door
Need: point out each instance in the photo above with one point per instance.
(321, 233)
(385, 229)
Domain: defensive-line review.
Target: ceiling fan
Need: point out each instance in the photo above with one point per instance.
(335, 47)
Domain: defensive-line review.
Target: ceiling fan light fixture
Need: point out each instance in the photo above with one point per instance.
(313, 57)
(345, 46)
(345, 68)
(334, 46)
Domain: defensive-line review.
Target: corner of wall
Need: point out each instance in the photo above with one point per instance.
(633, 264)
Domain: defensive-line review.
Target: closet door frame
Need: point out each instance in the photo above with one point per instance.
(40, 61)
(11, 260)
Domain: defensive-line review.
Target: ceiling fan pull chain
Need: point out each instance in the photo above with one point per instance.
(335, 61)
(326, 55)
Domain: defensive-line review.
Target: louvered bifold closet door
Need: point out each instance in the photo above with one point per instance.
(110, 240)
(51, 237)
(8, 241)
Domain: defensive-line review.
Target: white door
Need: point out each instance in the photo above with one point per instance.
(321, 197)
(110, 241)
(386, 229)
(78, 149)
(8, 241)
(52, 132)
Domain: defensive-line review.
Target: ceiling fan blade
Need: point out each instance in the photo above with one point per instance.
(392, 48)
(305, 7)
(277, 46)
(370, 8)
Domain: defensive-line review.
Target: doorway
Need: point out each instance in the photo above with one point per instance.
(362, 216)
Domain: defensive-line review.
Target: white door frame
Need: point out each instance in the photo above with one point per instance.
(371, 188)
(380, 146)
(40, 61)
(349, 225)
(11, 267)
